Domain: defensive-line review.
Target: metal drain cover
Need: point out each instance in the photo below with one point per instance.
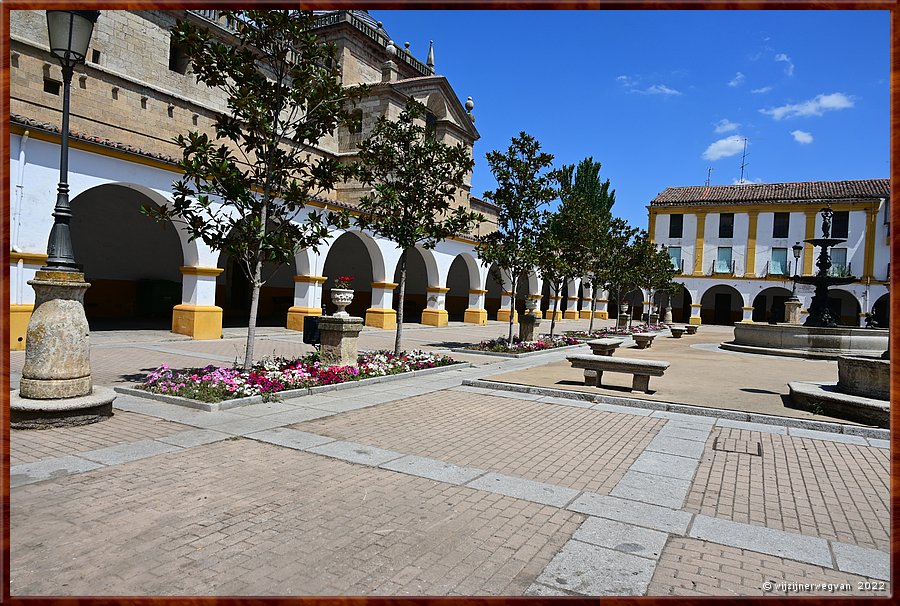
(739, 446)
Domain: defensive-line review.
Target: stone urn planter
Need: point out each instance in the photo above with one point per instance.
(341, 297)
(531, 305)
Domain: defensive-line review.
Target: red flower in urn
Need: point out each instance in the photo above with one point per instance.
(343, 282)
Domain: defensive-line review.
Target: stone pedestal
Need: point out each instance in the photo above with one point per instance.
(340, 340)
(623, 320)
(667, 316)
(792, 311)
(527, 325)
(653, 318)
(55, 389)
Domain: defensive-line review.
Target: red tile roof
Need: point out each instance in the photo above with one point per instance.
(812, 191)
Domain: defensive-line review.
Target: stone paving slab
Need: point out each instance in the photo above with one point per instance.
(290, 438)
(677, 446)
(622, 537)
(670, 466)
(194, 437)
(627, 410)
(779, 543)
(632, 512)
(298, 415)
(567, 402)
(695, 433)
(537, 492)
(433, 469)
(653, 489)
(760, 427)
(243, 426)
(824, 435)
(125, 453)
(880, 443)
(677, 418)
(591, 570)
(862, 561)
(354, 452)
(27, 473)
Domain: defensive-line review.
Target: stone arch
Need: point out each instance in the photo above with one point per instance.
(881, 310)
(494, 288)
(768, 304)
(421, 273)
(131, 261)
(233, 292)
(846, 305)
(722, 304)
(462, 277)
(353, 253)
(437, 105)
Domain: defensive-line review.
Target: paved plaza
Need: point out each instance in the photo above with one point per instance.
(427, 486)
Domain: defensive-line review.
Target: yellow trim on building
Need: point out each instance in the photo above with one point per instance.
(19, 316)
(435, 317)
(200, 271)
(384, 285)
(807, 247)
(869, 259)
(310, 279)
(477, 291)
(199, 322)
(651, 225)
(789, 207)
(698, 244)
(27, 258)
(750, 269)
(381, 318)
(295, 316)
(476, 315)
(503, 315)
(437, 290)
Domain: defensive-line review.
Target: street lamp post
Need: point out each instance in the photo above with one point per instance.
(56, 388)
(792, 305)
(798, 249)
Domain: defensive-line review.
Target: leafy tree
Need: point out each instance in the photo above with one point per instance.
(592, 202)
(242, 190)
(653, 266)
(415, 179)
(616, 272)
(553, 266)
(524, 184)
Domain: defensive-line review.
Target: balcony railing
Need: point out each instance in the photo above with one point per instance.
(841, 271)
(720, 267)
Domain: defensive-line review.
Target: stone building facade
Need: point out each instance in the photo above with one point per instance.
(131, 98)
(732, 245)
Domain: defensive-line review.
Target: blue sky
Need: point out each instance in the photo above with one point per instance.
(659, 96)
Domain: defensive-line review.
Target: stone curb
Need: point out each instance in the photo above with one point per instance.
(527, 354)
(687, 409)
(282, 395)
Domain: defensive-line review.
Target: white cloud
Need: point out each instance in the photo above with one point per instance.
(760, 91)
(789, 68)
(737, 80)
(724, 148)
(725, 126)
(659, 89)
(802, 137)
(745, 181)
(626, 81)
(813, 107)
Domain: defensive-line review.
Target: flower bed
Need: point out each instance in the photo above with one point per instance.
(272, 375)
(501, 345)
(623, 331)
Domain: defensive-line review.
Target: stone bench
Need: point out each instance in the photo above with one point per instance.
(595, 366)
(643, 339)
(604, 347)
(677, 331)
(691, 328)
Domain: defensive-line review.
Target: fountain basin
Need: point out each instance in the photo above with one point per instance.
(806, 341)
(864, 376)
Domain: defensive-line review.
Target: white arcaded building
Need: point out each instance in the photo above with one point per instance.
(733, 246)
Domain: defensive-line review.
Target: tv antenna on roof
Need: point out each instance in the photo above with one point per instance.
(743, 161)
(709, 170)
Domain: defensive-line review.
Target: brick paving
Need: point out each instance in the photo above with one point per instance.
(243, 518)
(815, 487)
(123, 427)
(694, 567)
(562, 445)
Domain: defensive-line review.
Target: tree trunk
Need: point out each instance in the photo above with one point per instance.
(593, 307)
(255, 285)
(400, 303)
(512, 307)
(553, 313)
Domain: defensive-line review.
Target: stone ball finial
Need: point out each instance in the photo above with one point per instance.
(406, 45)
(470, 105)
(379, 24)
(391, 49)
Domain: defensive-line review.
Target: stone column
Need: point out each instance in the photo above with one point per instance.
(548, 315)
(475, 312)
(571, 312)
(601, 312)
(792, 311)
(436, 313)
(862, 320)
(695, 314)
(340, 340)
(648, 306)
(22, 268)
(503, 312)
(307, 300)
(198, 316)
(748, 315)
(587, 298)
(382, 314)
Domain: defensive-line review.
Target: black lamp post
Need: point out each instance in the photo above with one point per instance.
(70, 34)
(797, 248)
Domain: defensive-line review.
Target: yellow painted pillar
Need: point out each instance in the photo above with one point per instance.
(601, 312)
(695, 314)
(869, 259)
(548, 315)
(306, 289)
(20, 311)
(382, 317)
(194, 319)
(435, 314)
(475, 312)
(750, 264)
(698, 244)
(571, 312)
(807, 247)
(651, 226)
(503, 312)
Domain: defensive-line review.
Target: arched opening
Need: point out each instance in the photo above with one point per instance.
(721, 305)
(882, 311)
(522, 293)
(845, 305)
(494, 289)
(131, 261)
(415, 297)
(459, 282)
(681, 306)
(349, 256)
(768, 305)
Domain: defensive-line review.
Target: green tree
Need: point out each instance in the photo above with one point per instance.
(525, 183)
(415, 179)
(591, 200)
(553, 264)
(242, 191)
(616, 272)
(653, 266)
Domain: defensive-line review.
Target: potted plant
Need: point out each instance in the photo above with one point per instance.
(342, 295)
